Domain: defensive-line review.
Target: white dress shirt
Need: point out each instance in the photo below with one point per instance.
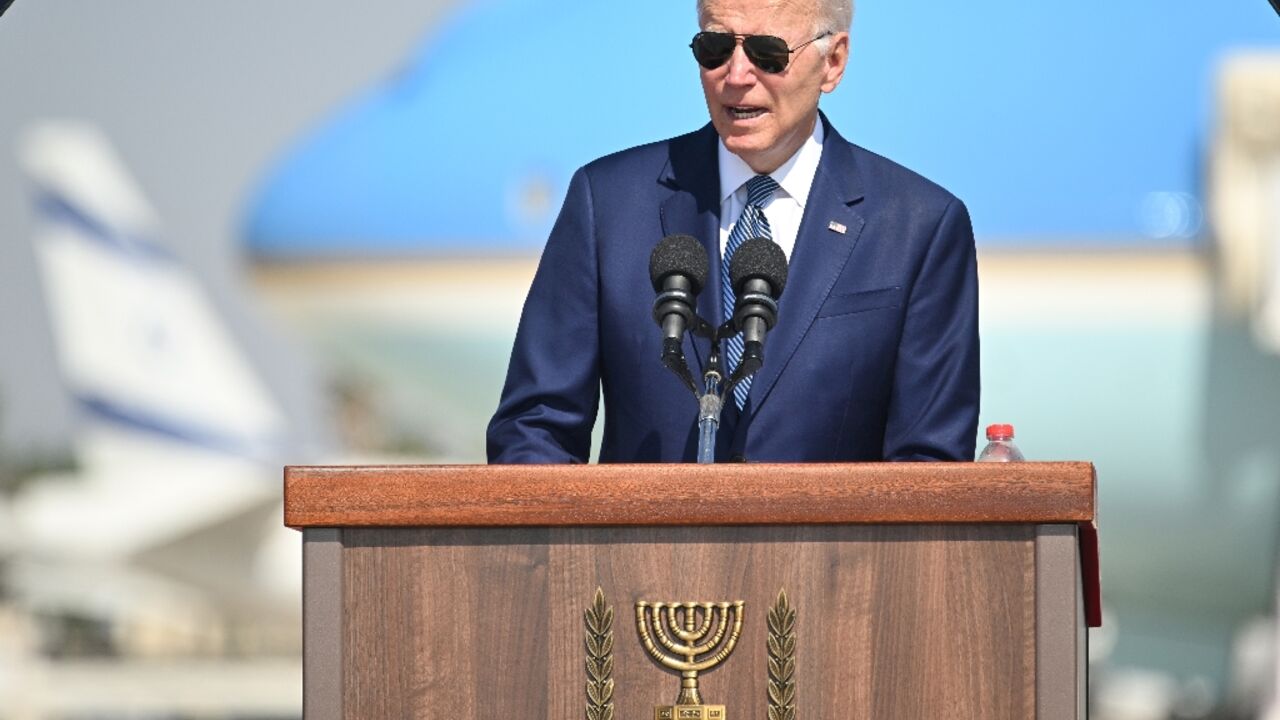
(785, 209)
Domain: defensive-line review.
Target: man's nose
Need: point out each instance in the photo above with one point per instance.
(741, 71)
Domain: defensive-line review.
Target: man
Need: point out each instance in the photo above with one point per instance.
(875, 353)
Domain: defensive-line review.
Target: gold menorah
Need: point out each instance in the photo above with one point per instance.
(685, 631)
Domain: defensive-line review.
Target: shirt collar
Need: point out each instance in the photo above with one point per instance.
(795, 176)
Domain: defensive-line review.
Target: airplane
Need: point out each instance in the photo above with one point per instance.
(167, 536)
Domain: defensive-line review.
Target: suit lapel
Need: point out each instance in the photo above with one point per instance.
(693, 208)
(817, 260)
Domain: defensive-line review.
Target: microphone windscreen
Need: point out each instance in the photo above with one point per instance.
(679, 254)
(759, 258)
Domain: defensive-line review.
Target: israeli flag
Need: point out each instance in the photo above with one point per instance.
(139, 344)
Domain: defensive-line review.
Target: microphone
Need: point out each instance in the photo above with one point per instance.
(758, 273)
(678, 270)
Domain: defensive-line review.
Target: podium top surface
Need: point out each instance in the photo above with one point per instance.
(688, 494)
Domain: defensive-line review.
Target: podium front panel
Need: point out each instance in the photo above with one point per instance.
(893, 621)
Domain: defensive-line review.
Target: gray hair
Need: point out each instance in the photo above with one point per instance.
(833, 16)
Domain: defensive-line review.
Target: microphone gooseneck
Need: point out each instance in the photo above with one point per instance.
(678, 270)
(758, 273)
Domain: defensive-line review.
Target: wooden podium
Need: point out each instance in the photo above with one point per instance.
(920, 590)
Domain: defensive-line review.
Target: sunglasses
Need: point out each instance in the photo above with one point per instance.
(769, 53)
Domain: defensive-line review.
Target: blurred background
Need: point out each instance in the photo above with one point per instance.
(238, 235)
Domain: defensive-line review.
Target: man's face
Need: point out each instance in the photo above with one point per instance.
(764, 118)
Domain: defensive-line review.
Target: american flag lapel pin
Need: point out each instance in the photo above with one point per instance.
(836, 227)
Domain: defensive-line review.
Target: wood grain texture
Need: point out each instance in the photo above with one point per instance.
(892, 621)
(722, 494)
(436, 622)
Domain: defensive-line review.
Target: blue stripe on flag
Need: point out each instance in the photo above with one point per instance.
(59, 209)
(264, 450)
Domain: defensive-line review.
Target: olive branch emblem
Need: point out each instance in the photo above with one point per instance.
(599, 640)
(782, 659)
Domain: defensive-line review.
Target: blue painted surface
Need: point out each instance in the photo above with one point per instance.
(1063, 120)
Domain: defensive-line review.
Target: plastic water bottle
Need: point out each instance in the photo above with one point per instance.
(1000, 447)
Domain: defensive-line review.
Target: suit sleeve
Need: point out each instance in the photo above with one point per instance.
(933, 409)
(551, 395)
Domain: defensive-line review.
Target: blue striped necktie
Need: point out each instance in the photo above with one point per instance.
(751, 224)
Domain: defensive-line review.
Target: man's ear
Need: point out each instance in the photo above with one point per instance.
(837, 60)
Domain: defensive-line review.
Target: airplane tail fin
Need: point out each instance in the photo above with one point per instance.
(140, 347)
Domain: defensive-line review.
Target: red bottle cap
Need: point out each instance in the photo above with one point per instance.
(1000, 432)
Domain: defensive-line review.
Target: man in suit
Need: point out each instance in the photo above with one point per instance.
(875, 352)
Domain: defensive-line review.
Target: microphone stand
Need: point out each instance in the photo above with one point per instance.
(709, 406)
(711, 399)
(755, 313)
(754, 310)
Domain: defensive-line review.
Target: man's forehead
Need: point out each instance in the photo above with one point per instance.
(721, 11)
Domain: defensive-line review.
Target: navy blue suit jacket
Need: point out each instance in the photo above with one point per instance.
(874, 357)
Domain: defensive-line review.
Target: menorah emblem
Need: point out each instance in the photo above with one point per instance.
(684, 630)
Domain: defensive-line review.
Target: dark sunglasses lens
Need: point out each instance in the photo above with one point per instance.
(767, 52)
(712, 49)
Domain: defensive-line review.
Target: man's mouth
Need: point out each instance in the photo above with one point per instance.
(745, 112)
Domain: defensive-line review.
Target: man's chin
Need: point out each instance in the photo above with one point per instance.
(745, 145)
